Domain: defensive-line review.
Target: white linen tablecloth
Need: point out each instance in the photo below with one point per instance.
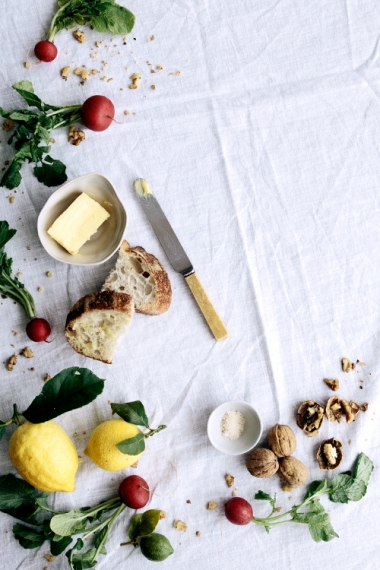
(264, 153)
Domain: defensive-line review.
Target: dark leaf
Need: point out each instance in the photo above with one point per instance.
(6, 234)
(133, 445)
(144, 524)
(59, 544)
(261, 496)
(12, 177)
(316, 488)
(132, 412)
(70, 389)
(28, 537)
(52, 172)
(15, 492)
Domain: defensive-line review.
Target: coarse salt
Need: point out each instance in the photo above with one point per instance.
(233, 423)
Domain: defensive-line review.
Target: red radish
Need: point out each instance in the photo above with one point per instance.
(238, 511)
(97, 113)
(134, 492)
(45, 50)
(38, 329)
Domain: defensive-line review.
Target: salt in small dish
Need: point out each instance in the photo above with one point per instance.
(250, 435)
(106, 241)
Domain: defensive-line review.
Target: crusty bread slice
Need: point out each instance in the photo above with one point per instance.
(141, 275)
(96, 323)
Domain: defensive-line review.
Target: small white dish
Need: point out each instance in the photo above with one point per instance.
(250, 435)
(106, 241)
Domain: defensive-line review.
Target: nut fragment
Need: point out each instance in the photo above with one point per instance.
(329, 454)
(76, 136)
(8, 125)
(292, 472)
(346, 365)
(180, 525)
(79, 35)
(310, 417)
(262, 462)
(333, 384)
(211, 505)
(83, 73)
(282, 440)
(27, 352)
(12, 362)
(135, 81)
(230, 480)
(65, 72)
(336, 409)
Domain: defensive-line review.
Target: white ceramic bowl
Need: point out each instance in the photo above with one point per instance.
(251, 433)
(106, 241)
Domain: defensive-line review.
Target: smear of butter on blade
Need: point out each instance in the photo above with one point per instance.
(142, 187)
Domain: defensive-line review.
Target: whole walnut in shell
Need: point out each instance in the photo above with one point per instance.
(282, 440)
(292, 472)
(262, 462)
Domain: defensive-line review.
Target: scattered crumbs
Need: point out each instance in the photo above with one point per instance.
(152, 71)
(290, 497)
(153, 87)
(278, 509)
(98, 44)
(104, 67)
(76, 136)
(109, 79)
(162, 515)
(65, 72)
(31, 369)
(151, 39)
(93, 55)
(234, 493)
(11, 199)
(47, 378)
(19, 274)
(180, 525)
(83, 73)
(40, 289)
(188, 502)
(332, 384)
(346, 365)
(198, 533)
(27, 352)
(80, 459)
(75, 434)
(178, 72)
(94, 71)
(80, 36)
(49, 557)
(349, 442)
(159, 67)
(171, 73)
(135, 81)
(125, 39)
(15, 333)
(148, 63)
(211, 505)
(49, 274)
(8, 125)
(229, 480)
(12, 362)
(52, 140)
(135, 464)
(27, 65)
(126, 112)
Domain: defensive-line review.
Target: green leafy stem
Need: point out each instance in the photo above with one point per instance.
(342, 488)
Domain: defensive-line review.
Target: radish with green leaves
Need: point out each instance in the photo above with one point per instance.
(32, 133)
(37, 329)
(102, 16)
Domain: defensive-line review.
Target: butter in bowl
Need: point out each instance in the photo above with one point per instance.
(83, 222)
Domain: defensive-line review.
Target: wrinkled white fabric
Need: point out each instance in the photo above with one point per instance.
(264, 154)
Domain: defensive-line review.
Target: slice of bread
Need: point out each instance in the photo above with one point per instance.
(141, 275)
(96, 323)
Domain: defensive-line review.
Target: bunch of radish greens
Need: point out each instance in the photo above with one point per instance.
(102, 15)
(31, 136)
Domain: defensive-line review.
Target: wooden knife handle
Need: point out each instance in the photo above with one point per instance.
(209, 312)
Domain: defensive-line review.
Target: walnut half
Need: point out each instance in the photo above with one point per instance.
(310, 417)
(329, 454)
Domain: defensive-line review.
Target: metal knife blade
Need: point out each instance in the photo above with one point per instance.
(177, 256)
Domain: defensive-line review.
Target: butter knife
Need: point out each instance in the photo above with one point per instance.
(177, 256)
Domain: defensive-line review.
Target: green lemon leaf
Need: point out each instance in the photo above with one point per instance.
(52, 172)
(132, 412)
(15, 492)
(133, 445)
(70, 389)
(27, 537)
(144, 524)
(156, 547)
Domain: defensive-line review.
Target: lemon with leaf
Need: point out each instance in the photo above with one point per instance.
(44, 456)
(102, 445)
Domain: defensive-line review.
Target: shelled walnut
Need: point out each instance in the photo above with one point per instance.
(310, 417)
(329, 454)
(282, 440)
(262, 462)
(292, 472)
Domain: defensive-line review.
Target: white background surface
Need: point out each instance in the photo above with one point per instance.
(264, 153)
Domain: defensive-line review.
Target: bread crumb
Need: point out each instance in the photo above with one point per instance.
(178, 72)
(19, 274)
(162, 515)
(333, 384)
(135, 464)
(15, 333)
(83, 73)
(27, 352)
(52, 140)
(49, 557)
(27, 65)
(135, 81)
(229, 479)
(127, 112)
(94, 71)
(153, 87)
(152, 38)
(346, 365)
(98, 44)
(65, 72)
(40, 289)
(79, 35)
(234, 493)
(198, 533)
(159, 67)
(49, 274)
(188, 502)
(12, 362)
(11, 199)
(47, 378)
(8, 125)
(180, 525)
(211, 505)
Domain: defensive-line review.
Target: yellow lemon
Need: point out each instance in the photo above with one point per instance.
(102, 449)
(45, 456)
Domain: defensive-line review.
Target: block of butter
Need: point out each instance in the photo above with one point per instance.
(78, 223)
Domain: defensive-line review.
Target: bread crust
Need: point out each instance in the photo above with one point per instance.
(163, 290)
(101, 301)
